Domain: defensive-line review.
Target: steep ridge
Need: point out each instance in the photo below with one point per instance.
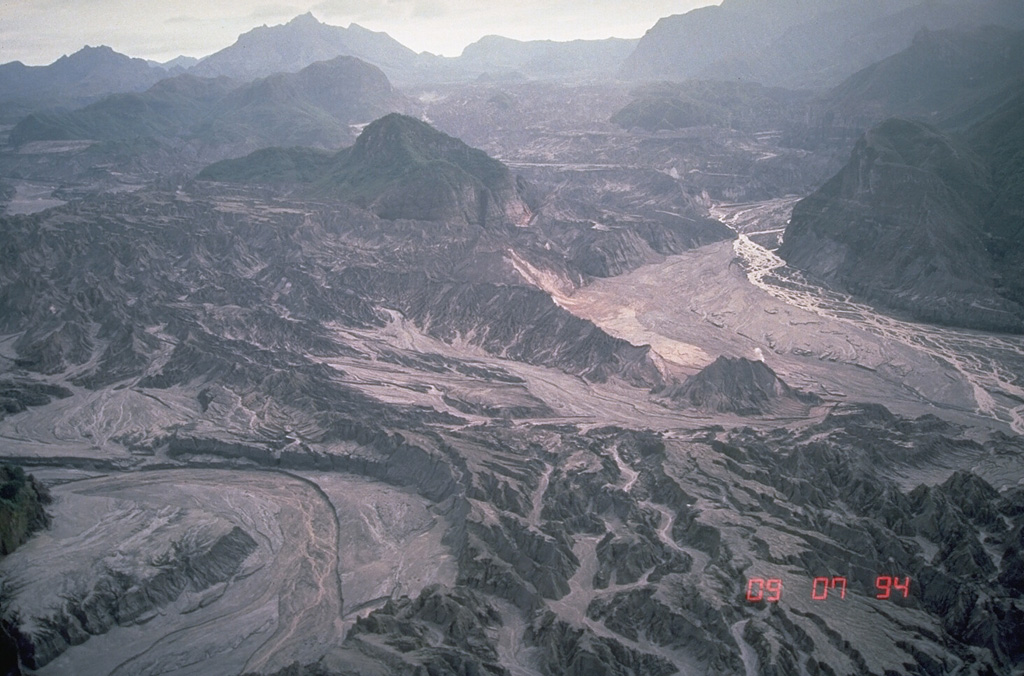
(904, 224)
(940, 78)
(398, 168)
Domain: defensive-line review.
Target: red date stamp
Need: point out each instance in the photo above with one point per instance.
(770, 589)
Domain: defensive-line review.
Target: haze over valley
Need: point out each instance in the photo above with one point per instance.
(699, 352)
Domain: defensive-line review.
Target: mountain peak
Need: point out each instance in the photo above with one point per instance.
(306, 19)
(89, 53)
(399, 168)
(396, 137)
(290, 47)
(447, 177)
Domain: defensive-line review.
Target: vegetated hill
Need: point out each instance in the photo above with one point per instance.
(312, 107)
(300, 42)
(944, 77)
(738, 385)
(21, 507)
(797, 42)
(916, 222)
(399, 167)
(495, 56)
(85, 76)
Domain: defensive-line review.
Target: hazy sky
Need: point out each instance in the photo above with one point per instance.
(40, 31)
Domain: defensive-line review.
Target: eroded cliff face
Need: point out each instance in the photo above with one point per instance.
(904, 225)
(125, 592)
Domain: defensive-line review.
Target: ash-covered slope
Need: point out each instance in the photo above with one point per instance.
(906, 224)
(300, 42)
(262, 431)
(738, 385)
(455, 281)
(399, 167)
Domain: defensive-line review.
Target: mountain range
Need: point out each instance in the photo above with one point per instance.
(72, 81)
(315, 106)
(798, 43)
(947, 78)
(297, 44)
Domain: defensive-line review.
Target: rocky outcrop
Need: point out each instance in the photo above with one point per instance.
(738, 385)
(399, 168)
(17, 396)
(445, 630)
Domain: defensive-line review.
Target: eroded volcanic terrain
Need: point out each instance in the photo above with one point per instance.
(509, 386)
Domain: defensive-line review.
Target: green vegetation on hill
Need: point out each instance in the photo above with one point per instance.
(273, 165)
(21, 507)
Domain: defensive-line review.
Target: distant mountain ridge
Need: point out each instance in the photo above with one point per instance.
(312, 107)
(305, 40)
(82, 77)
(943, 77)
(295, 45)
(399, 168)
(798, 43)
(494, 54)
